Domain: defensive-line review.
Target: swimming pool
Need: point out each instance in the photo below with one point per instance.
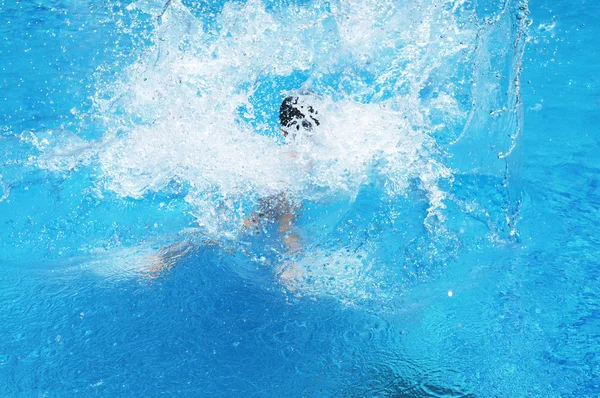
(449, 199)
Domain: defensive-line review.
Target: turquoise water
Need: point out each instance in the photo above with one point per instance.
(448, 201)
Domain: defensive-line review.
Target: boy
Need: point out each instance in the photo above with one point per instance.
(296, 116)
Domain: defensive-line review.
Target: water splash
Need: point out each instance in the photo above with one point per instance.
(410, 97)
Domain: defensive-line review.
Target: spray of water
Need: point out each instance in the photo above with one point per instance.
(398, 86)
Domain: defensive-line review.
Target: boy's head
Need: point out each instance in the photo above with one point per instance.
(296, 114)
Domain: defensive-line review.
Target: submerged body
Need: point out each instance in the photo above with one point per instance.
(277, 209)
(296, 116)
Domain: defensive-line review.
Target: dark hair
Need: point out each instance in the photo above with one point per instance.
(291, 114)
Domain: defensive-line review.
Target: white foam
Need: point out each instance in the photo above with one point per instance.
(174, 115)
(347, 276)
(189, 112)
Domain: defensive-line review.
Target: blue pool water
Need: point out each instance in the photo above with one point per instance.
(449, 199)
